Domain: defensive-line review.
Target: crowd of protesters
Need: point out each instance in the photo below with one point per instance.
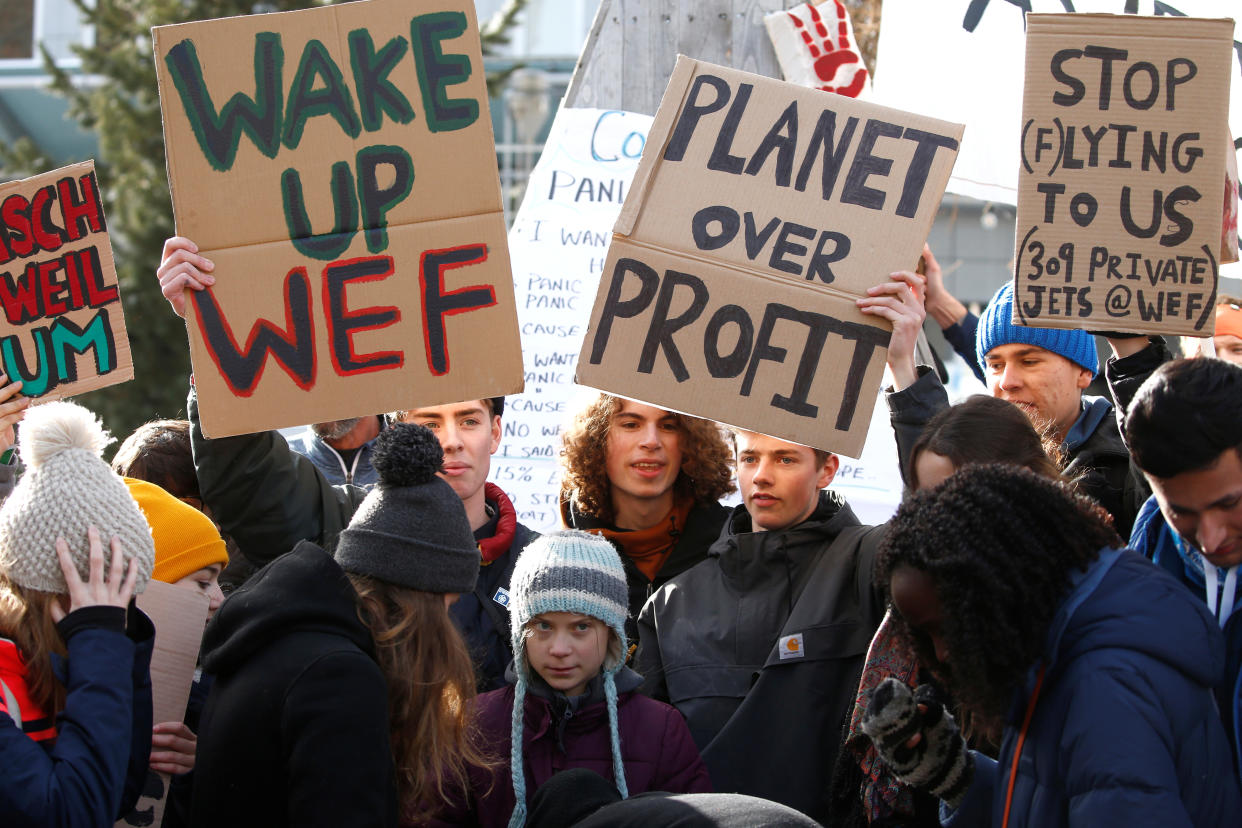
(1047, 632)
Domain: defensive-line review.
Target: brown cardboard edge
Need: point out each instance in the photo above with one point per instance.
(728, 424)
(211, 428)
(69, 169)
(661, 129)
(160, 91)
(849, 450)
(1063, 23)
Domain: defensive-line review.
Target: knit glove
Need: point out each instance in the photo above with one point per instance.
(940, 763)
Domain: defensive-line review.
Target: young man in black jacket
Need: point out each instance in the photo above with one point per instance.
(760, 645)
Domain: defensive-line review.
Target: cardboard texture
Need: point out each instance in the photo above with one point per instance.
(759, 212)
(179, 616)
(338, 167)
(1229, 220)
(63, 329)
(1123, 170)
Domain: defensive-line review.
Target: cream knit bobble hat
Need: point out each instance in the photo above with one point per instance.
(66, 488)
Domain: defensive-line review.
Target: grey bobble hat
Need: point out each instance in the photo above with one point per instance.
(568, 571)
(67, 488)
(411, 530)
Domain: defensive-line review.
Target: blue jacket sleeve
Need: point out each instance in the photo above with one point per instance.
(1121, 769)
(80, 782)
(962, 337)
(976, 807)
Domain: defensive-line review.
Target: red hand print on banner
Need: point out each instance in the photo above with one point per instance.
(836, 64)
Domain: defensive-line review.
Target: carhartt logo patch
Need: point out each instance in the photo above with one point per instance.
(501, 597)
(791, 647)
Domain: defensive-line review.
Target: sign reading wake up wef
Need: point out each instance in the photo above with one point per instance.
(338, 167)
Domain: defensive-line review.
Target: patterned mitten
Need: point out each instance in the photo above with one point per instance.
(940, 763)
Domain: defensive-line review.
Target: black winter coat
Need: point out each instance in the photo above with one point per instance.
(760, 647)
(1101, 468)
(295, 732)
(483, 615)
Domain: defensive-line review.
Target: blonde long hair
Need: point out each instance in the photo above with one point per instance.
(430, 679)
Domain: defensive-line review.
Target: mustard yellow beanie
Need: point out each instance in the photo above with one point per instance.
(185, 539)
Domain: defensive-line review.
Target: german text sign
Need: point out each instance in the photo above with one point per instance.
(63, 331)
(759, 212)
(1122, 172)
(338, 166)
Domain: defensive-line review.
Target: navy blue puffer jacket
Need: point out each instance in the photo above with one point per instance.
(1125, 730)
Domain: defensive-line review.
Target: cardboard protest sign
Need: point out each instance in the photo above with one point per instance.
(179, 616)
(63, 330)
(1123, 169)
(760, 211)
(338, 167)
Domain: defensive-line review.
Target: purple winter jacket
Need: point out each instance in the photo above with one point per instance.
(656, 747)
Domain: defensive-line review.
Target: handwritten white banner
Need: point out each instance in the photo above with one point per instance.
(558, 242)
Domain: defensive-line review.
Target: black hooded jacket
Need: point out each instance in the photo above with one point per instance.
(296, 730)
(760, 648)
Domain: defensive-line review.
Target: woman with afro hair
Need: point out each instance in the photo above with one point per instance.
(1094, 666)
(979, 430)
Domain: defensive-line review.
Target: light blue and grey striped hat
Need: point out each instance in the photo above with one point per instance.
(567, 571)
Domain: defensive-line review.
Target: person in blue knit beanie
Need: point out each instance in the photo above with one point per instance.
(573, 702)
(1044, 372)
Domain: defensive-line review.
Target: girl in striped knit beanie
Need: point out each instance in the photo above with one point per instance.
(572, 703)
